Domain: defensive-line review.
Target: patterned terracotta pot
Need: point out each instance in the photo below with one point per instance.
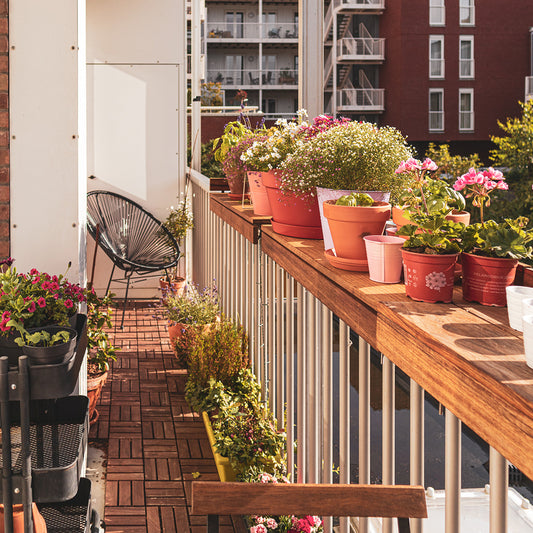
(428, 277)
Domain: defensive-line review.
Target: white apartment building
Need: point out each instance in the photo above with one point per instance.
(253, 46)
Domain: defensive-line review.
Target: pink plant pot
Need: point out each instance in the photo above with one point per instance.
(384, 254)
(259, 194)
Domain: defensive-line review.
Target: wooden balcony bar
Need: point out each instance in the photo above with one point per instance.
(465, 355)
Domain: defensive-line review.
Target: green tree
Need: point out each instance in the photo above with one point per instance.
(515, 149)
(451, 165)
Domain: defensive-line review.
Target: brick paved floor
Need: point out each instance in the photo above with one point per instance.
(154, 442)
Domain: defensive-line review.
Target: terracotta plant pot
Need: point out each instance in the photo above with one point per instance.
(238, 186)
(258, 194)
(348, 226)
(176, 285)
(39, 525)
(429, 277)
(459, 216)
(292, 215)
(384, 254)
(94, 390)
(485, 278)
(398, 217)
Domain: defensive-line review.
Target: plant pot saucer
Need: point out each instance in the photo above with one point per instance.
(293, 230)
(355, 265)
(233, 196)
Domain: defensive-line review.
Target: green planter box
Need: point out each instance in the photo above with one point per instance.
(224, 468)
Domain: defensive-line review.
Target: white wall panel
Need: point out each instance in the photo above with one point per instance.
(47, 134)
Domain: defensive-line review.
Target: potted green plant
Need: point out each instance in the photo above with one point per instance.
(348, 156)
(427, 194)
(194, 308)
(179, 220)
(235, 172)
(350, 218)
(34, 300)
(47, 345)
(100, 350)
(491, 250)
(433, 241)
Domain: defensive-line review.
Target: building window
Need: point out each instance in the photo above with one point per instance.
(466, 12)
(436, 110)
(234, 24)
(466, 56)
(436, 56)
(466, 109)
(234, 67)
(436, 13)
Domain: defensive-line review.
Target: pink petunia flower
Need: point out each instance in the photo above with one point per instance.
(69, 303)
(41, 302)
(31, 307)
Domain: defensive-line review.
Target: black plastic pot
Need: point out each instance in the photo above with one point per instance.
(9, 348)
(51, 355)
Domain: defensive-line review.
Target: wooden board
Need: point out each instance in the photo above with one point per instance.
(239, 216)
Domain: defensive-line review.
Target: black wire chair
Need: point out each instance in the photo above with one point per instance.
(134, 240)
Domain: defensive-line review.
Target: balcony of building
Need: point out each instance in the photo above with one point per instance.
(361, 50)
(529, 88)
(255, 79)
(252, 32)
(346, 8)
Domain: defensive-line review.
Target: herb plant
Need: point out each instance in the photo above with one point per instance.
(193, 307)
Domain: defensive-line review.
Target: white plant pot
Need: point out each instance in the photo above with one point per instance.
(515, 295)
(528, 339)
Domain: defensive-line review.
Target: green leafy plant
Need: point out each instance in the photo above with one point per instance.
(194, 307)
(218, 353)
(355, 199)
(42, 338)
(179, 220)
(451, 165)
(100, 350)
(432, 234)
(351, 155)
(233, 132)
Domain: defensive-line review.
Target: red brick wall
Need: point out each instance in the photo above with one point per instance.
(4, 130)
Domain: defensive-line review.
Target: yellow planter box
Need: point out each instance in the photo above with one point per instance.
(224, 468)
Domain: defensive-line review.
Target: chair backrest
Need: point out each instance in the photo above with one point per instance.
(132, 237)
(389, 501)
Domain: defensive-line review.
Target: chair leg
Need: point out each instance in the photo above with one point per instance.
(110, 278)
(128, 277)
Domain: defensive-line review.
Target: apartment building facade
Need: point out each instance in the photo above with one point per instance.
(253, 46)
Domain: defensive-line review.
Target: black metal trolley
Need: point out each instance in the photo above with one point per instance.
(44, 442)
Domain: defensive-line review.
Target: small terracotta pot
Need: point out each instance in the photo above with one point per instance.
(259, 194)
(349, 224)
(39, 525)
(398, 217)
(429, 277)
(485, 278)
(292, 215)
(459, 216)
(238, 185)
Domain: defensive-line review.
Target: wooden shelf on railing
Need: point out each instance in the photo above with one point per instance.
(463, 354)
(239, 216)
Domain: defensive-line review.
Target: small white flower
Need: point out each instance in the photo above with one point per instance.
(436, 281)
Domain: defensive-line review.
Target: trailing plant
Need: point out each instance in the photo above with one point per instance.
(100, 350)
(233, 163)
(193, 307)
(248, 437)
(179, 220)
(353, 156)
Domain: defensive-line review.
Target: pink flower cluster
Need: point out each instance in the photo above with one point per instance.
(6, 317)
(416, 166)
(323, 123)
(307, 524)
(488, 179)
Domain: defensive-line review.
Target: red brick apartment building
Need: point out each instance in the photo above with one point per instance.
(448, 69)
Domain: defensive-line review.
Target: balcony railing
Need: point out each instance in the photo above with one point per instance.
(529, 88)
(361, 100)
(466, 357)
(239, 78)
(361, 49)
(354, 6)
(253, 31)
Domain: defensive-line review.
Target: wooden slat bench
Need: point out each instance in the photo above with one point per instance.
(388, 501)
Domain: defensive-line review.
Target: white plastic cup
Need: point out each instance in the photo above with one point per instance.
(384, 257)
(515, 296)
(528, 339)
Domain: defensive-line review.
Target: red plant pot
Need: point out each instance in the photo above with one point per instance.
(348, 226)
(292, 215)
(485, 278)
(429, 277)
